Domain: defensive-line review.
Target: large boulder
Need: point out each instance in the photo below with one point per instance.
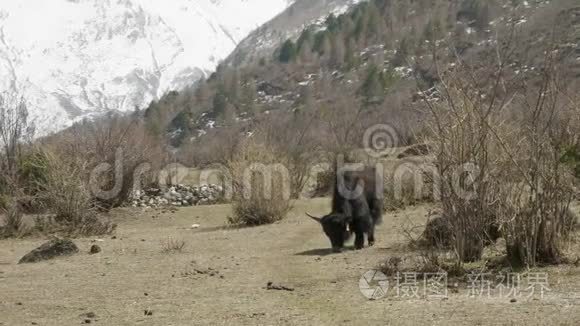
(52, 249)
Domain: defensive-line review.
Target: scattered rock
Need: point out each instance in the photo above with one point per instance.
(91, 315)
(514, 300)
(148, 312)
(177, 196)
(269, 88)
(88, 317)
(52, 249)
(272, 286)
(95, 249)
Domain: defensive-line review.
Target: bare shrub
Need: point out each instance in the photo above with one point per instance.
(172, 246)
(109, 152)
(324, 183)
(423, 264)
(464, 159)
(261, 184)
(13, 226)
(4, 201)
(408, 183)
(437, 233)
(293, 136)
(536, 214)
(500, 170)
(402, 190)
(15, 130)
(66, 196)
(392, 266)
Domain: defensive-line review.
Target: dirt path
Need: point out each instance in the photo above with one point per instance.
(220, 279)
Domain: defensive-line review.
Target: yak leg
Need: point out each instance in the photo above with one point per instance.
(359, 240)
(359, 230)
(371, 236)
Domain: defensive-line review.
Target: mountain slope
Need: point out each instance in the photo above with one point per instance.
(377, 58)
(74, 59)
(289, 24)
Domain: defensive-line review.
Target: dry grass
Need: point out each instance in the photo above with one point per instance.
(261, 185)
(171, 246)
(292, 252)
(14, 226)
(67, 198)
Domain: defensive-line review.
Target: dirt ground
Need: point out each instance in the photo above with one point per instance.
(220, 278)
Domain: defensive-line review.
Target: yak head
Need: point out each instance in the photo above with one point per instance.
(336, 228)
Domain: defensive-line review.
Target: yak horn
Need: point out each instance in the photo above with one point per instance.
(317, 219)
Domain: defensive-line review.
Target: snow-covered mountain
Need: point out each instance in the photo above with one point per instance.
(74, 59)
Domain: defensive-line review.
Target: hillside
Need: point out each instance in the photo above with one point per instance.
(289, 24)
(372, 63)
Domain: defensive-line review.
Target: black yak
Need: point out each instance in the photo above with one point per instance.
(357, 206)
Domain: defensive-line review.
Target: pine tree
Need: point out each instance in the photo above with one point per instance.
(287, 52)
(229, 114)
(220, 101)
(332, 24)
(305, 54)
(402, 54)
(372, 88)
(350, 59)
(338, 52)
(305, 39)
(248, 98)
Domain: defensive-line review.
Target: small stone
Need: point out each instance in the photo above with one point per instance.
(90, 315)
(95, 249)
(514, 300)
(148, 312)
